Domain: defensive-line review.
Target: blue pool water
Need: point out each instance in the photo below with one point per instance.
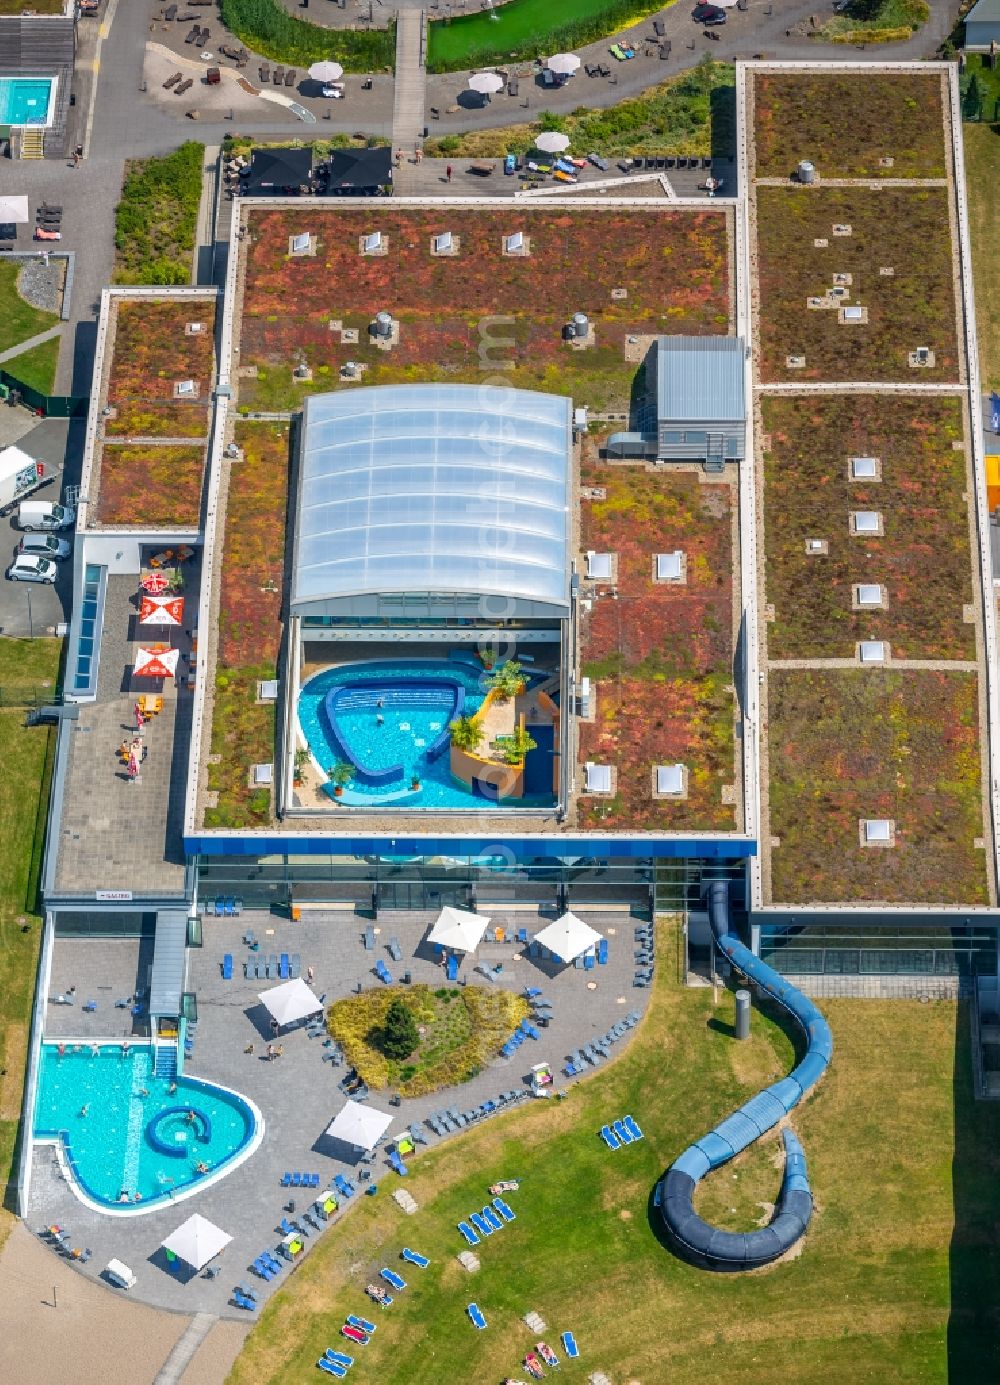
(418, 698)
(25, 100)
(120, 1143)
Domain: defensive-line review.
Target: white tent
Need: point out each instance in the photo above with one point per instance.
(359, 1125)
(197, 1241)
(458, 929)
(13, 209)
(568, 937)
(552, 142)
(290, 1002)
(563, 63)
(486, 82)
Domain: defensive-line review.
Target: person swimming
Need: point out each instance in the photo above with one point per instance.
(201, 1167)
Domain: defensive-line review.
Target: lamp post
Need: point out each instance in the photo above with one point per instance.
(31, 628)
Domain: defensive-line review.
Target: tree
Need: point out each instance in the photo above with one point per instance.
(508, 680)
(399, 1033)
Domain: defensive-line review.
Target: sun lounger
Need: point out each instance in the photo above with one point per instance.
(354, 1334)
(481, 1226)
(283, 967)
(341, 1357)
(476, 1314)
(609, 1139)
(621, 1132)
(491, 1219)
(393, 1279)
(227, 967)
(640, 981)
(395, 949)
(417, 1135)
(331, 1367)
(271, 967)
(451, 968)
(193, 35)
(471, 1238)
(504, 1209)
(632, 1127)
(396, 1163)
(602, 952)
(369, 939)
(363, 1323)
(294, 967)
(411, 1256)
(383, 973)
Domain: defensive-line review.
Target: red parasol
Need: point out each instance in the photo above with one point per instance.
(156, 663)
(161, 610)
(155, 583)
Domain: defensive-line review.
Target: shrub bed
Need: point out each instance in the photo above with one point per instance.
(268, 29)
(156, 219)
(151, 487)
(460, 1029)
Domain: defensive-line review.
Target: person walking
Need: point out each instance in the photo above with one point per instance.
(447, 173)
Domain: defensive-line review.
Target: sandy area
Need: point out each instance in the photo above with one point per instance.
(94, 1335)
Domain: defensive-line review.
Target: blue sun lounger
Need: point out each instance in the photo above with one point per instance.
(227, 967)
(481, 1226)
(242, 1301)
(504, 1210)
(343, 1185)
(354, 1321)
(476, 1314)
(333, 1368)
(451, 968)
(396, 1163)
(468, 1233)
(392, 1278)
(569, 1346)
(491, 1219)
(341, 1357)
(621, 1132)
(283, 966)
(421, 1261)
(609, 1139)
(632, 1127)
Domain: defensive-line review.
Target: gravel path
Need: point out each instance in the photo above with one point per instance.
(41, 284)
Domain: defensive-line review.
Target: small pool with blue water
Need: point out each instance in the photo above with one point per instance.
(125, 1132)
(392, 714)
(25, 100)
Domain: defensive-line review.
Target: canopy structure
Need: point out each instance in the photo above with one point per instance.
(359, 1125)
(155, 583)
(486, 82)
(197, 1241)
(458, 930)
(563, 63)
(13, 209)
(290, 1002)
(552, 142)
(568, 937)
(326, 72)
(156, 663)
(418, 495)
(161, 610)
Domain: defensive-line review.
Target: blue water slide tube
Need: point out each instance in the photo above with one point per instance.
(693, 1237)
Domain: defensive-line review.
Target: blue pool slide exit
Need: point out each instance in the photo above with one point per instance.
(694, 1238)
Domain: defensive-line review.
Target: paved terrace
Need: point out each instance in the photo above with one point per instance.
(114, 834)
(298, 1094)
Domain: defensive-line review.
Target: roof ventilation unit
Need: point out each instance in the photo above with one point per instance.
(301, 243)
(670, 566)
(866, 522)
(599, 566)
(185, 388)
(597, 777)
(877, 831)
(873, 652)
(806, 172)
(444, 243)
(868, 594)
(382, 326)
(373, 243)
(580, 325)
(671, 780)
(864, 468)
(514, 243)
(263, 774)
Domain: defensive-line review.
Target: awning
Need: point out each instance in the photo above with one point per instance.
(359, 1125)
(13, 209)
(166, 981)
(156, 663)
(290, 1002)
(161, 610)
(458, 929)
(568, 937)
(197, 1241)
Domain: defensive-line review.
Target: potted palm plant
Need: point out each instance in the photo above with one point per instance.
(340, 774)
(301, 760)
(516, 747)
(466, 734)
(508, 680)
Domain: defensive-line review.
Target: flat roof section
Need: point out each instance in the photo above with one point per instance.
(433, 488)
(700, 379)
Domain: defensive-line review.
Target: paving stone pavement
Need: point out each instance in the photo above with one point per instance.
(298, 1095)
(922, 988)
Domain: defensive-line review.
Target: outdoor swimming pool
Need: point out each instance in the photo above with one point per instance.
(26, 100)
(136, 1136)
(395, 714)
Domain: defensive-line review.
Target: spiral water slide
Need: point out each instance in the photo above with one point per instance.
(693, 1237)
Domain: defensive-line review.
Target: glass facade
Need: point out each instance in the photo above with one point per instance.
(860, 949)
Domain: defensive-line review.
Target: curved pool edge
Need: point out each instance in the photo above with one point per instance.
(139, 1209)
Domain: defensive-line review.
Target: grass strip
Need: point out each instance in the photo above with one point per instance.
(19, 321)
(36, 367)
(270, 30)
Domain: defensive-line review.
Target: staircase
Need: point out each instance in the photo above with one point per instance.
(32, 143)
(715, 455)
(165, 1065)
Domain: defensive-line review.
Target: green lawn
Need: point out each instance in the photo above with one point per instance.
(26, 755)
(266, 27)
(19, 321)
(907, 1201)
(37, 366)
(528, 29)
(876, 21)
(982, 165)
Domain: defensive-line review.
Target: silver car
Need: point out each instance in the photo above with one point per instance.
(29, 567)
(45, 546)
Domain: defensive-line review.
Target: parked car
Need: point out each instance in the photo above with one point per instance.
(598, 162)
(708, 14)
(29, 567)
(45, 546)
(45, 514)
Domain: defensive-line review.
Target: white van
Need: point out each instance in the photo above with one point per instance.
(45, 514)
(119, 1275)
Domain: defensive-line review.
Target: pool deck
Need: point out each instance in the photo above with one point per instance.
(249, 1202)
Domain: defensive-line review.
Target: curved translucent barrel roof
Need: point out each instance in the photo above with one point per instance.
(434, 488)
